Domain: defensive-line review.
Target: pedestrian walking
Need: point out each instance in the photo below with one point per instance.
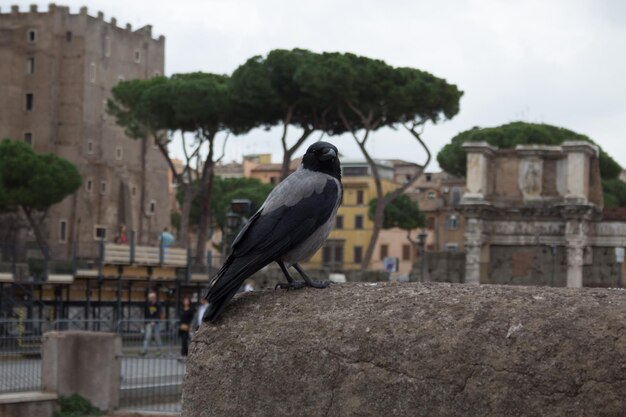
(186, 317)
(153, 315)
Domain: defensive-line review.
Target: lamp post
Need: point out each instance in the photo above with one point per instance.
(239, 209)
(421, 243)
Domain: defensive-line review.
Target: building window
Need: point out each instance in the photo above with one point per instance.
(358, 221)
(30, 101)
(358, 254)
(452, 222)
(133, 191)
(384, 251)
(120, 78)
(103, 187)
(430, 222)
(30, 65)
(429, 177)
(28, 138)
(152, 207)
(68, 36)
(92, 72)
(359, 197)
(107, 46)
(456, 196)
(452, 247)
(32, 35)
(339, 222)
(137, 56)
(89, 185)
(118, 153)
(62, 231)
(332, 255)
(406, 252)
(273, 180)
(100, 232)
(432, 195)
(90, 146)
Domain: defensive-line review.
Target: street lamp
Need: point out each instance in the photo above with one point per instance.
(232, 221)
(421, 242)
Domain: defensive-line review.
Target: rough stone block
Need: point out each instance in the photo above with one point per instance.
(416, 349)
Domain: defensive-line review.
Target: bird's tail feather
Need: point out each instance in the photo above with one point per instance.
(227, 282)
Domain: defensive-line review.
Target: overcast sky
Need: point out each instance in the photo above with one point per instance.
(561, 62)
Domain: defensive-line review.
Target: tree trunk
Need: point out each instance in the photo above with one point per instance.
(379, 215)
(288, 153)
(185, 210)
(36, 226)
(382, 201)
(206, 184)
(142, 192)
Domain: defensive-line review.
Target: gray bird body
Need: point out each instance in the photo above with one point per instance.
(301, 184)
(291, 225)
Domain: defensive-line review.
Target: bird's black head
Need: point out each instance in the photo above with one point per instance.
(322, 157)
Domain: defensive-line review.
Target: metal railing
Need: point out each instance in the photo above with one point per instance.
(20, 357)
(153, 378)
(151, 383)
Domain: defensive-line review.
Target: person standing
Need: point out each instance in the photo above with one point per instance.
(153, 315)
(166, 238)
(186, 317)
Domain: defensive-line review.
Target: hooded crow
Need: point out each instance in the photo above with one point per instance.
(291, 225)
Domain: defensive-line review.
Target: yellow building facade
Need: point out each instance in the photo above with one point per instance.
(347, 243)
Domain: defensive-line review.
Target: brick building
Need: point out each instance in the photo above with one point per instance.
(57, 72)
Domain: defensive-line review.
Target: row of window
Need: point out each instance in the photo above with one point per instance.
(99, 231)
(358, 222)
(406, 252)
(332, 253)
(31, 37)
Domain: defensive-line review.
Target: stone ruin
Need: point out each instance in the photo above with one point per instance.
(534, 217)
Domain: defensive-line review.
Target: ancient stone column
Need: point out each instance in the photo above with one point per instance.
(576, 230)
(578, 166)
(478, 156)
(473, 249)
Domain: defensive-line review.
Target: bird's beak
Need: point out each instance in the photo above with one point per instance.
(329, 154)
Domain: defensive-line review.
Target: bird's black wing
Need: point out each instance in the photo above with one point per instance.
(268, 236)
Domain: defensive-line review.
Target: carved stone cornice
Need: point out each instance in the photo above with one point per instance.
(588, 212)
(476, 209)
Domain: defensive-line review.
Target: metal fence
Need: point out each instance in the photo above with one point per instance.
(20, 357)
(150, 381)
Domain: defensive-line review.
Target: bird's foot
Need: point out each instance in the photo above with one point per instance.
(319, 284)
(295, 285)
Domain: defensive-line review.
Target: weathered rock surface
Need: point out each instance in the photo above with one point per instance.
(412, 350)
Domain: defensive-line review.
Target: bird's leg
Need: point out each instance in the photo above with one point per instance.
(291, 283)
(310, 282)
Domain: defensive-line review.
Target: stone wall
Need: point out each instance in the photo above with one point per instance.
(412, 350)
(527, 265)
(440, 267)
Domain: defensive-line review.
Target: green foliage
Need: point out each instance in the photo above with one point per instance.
(226, 189)
(125, 106)
(614, 192)
(34, 181)
(273, 90)
(76, 406)
(452, 157)
(402, 212)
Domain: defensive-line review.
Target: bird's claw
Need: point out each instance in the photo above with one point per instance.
(320, 284)
(296, 285)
